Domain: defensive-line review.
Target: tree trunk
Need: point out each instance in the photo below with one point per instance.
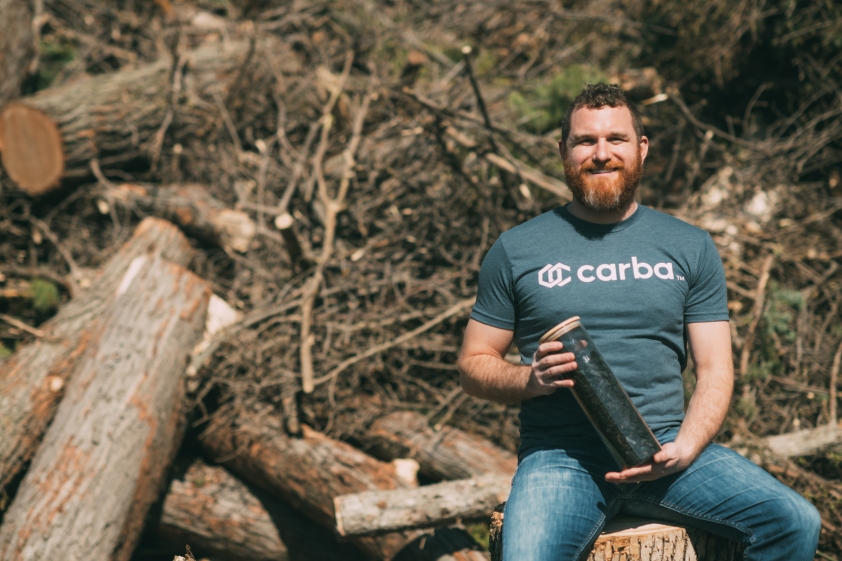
(374, 512)
(17, 47)
(104, 458)
(219, 515)
(636, 539)
(191, 207)
(122, 116)
(32, 380)
(307, 472)
(448, 454)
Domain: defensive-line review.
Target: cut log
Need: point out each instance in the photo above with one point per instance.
(215, 512)
(17, 47)
(191, 207)
(448, 454)
(804, 442)
(220, 516)
(308, 472)
(32, 150)
(32, 380)
(104, 458)
(122, 116)
(636, 539)
(375, 512)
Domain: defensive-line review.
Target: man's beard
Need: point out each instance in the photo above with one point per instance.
(600, 193)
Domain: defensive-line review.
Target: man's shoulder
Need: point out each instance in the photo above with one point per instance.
(662, 222)
(535, 228)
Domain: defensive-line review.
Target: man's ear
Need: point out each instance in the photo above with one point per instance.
(562, 147)
(644, 148)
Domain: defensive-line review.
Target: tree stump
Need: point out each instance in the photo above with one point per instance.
(636, 539)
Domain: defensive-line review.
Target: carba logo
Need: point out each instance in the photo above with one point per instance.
(553, 274)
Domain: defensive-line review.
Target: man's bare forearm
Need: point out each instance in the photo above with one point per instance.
(706, 410)
(494, 379)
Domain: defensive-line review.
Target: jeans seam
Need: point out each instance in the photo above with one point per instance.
(594, 530)
(698, 516)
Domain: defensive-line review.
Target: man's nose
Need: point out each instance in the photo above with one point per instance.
(601, 151)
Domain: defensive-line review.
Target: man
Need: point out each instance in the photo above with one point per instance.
(644, 284)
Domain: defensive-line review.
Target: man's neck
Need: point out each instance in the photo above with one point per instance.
(582, 212)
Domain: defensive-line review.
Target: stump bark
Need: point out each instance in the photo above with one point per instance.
(104, 457)
(17, 47)
(190, 206)
(308, 472)
(220, 516)
(448, 454)
(32, 381)
(637, 539)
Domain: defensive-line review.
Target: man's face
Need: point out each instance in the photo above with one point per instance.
(603, 158)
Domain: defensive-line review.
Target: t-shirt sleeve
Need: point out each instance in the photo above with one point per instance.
(495, 305)
(707, 299)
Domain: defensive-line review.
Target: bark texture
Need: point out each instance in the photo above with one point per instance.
(122, 116)
(33, 379)
(373, 512)
(103, 459)
(17, 47)
(308, 472)
(220, 516)
(636, 539)
(448, 454)
(191, 207)
(215, 512)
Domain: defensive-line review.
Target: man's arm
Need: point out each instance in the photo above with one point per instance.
(710, 346)
(485, 373)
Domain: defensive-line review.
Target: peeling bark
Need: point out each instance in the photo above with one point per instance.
(103, 459)
(33, 379)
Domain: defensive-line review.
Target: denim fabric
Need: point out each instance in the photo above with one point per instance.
(560, 502)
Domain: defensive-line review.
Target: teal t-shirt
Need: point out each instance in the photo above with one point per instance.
(635, 284)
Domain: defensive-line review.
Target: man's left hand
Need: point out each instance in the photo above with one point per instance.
(671, 459)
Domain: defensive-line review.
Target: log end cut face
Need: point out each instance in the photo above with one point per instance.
(32, 149)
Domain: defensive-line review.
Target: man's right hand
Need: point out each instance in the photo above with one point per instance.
(550, 367)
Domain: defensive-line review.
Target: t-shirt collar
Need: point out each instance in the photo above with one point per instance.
(580, 224)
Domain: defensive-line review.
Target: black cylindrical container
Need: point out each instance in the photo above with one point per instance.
(603, 399)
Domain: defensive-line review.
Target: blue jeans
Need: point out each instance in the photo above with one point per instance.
(560, 503)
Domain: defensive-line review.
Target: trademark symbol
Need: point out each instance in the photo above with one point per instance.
(679, 277)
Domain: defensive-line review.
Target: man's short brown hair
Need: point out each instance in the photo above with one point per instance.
(596, 96)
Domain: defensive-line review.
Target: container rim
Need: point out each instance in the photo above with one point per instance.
(560, 329)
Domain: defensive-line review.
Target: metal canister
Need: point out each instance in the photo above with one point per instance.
(603, 399)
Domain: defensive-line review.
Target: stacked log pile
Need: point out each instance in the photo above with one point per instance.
(330, 174)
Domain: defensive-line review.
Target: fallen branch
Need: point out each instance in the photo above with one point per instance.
(374, 512)
(191, 207)
(452, 311)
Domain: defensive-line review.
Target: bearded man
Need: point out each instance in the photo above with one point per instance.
(646, 285)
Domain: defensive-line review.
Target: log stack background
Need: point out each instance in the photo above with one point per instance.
(239, 242)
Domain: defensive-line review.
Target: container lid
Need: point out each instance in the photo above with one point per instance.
(560, 329)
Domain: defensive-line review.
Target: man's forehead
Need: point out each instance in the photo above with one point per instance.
(601, 118)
